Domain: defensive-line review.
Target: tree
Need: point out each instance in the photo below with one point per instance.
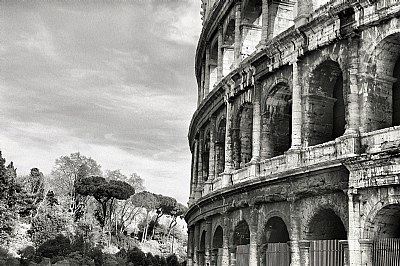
(147, 201)
(103, 192)
(178, 211)
(166, 206)
(125, 211)
(66, 172)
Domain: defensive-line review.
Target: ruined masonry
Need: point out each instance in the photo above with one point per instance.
(296, 138)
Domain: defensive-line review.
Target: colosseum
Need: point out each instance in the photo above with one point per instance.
(296, 138)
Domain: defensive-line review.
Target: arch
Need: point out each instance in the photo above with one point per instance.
(220, 145)
(218, 238)
(382, 105)
(277, 121)
(228, 55)
(326, 109)
(251, 26)
(213, 61)
(206, 155)
(386, 223)
(242, 135)
(202, 248)
(275, 231)
(241, 235)
(326, 225)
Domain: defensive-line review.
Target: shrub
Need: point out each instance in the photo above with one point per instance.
(136, 256)
(58, 246)
(172, 260)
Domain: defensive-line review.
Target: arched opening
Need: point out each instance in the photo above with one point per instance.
(202, 249)
(228, 47)
(326, 225)
(281, 17)
(241, 243)
(275, 248)
(386, 223)
(383, 86)
(216, 256)
(385, 230)
(243, 135)
(326, 230)
(206, 155)
(213, 62)
(251, 26)
(241, 234)
(325, 108)
(277, 121)
(220, 146)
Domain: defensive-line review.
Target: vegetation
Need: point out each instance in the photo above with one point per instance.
(78, 216)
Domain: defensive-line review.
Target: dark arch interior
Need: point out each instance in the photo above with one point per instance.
(386, 223)
(203, 241)
(329, 120)
(241, 234)
(277, 120)
(396, 95)
(229, 36)
(327, 225)
(252, 12)
(220, 146)
(243, 136)
(218, 237)
(276, 231)
(206, 155)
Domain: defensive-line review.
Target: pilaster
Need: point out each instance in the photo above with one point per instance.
(297, 117)
(256, 138)
(238, 35)
(200, 166)
(220, 54)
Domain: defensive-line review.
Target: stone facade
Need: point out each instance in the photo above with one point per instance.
(296, 138)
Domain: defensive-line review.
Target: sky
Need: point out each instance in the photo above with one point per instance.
(113, 80)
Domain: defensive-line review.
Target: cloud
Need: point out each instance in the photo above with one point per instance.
(114, 81)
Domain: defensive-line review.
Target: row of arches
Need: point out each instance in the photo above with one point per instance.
(324, 225)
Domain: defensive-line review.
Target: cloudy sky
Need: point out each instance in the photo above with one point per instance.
(113, 80)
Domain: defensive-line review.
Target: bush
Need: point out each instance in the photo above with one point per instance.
(172, 260)
(97, 255)
(136, 256)
(59, 246)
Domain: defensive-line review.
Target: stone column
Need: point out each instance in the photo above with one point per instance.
(207, 71)
(296, 247)
(208, 251)
(303, 11)
(225, 241)
(194, 170)
(220, 61)
(256, 138)
(265, 21)
(200, 166)
(190, 246)
(253, 236)
(355, 229)
(196, 245)
(229, 166)
(201, 87)
(353, 108)
(238, 35)
(297, 118)
(366, 252)
(212, 159)
(304, 247)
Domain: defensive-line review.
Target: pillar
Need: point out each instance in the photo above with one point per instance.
(220, 55)
(200, 166)
(196, 245)
(194, 170)
(229, 166)
(256, 138)
(207, 71)
(353, 109)
(208, 251)
(238, 35)
(366, 252)
(297, 119)
(265, 21)
(304, 247)
(212, 156)
(190, 246)
(355, 229)
(225, 242)
(253, 236)
(202, 86)
(303, 11)
(296, 247)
